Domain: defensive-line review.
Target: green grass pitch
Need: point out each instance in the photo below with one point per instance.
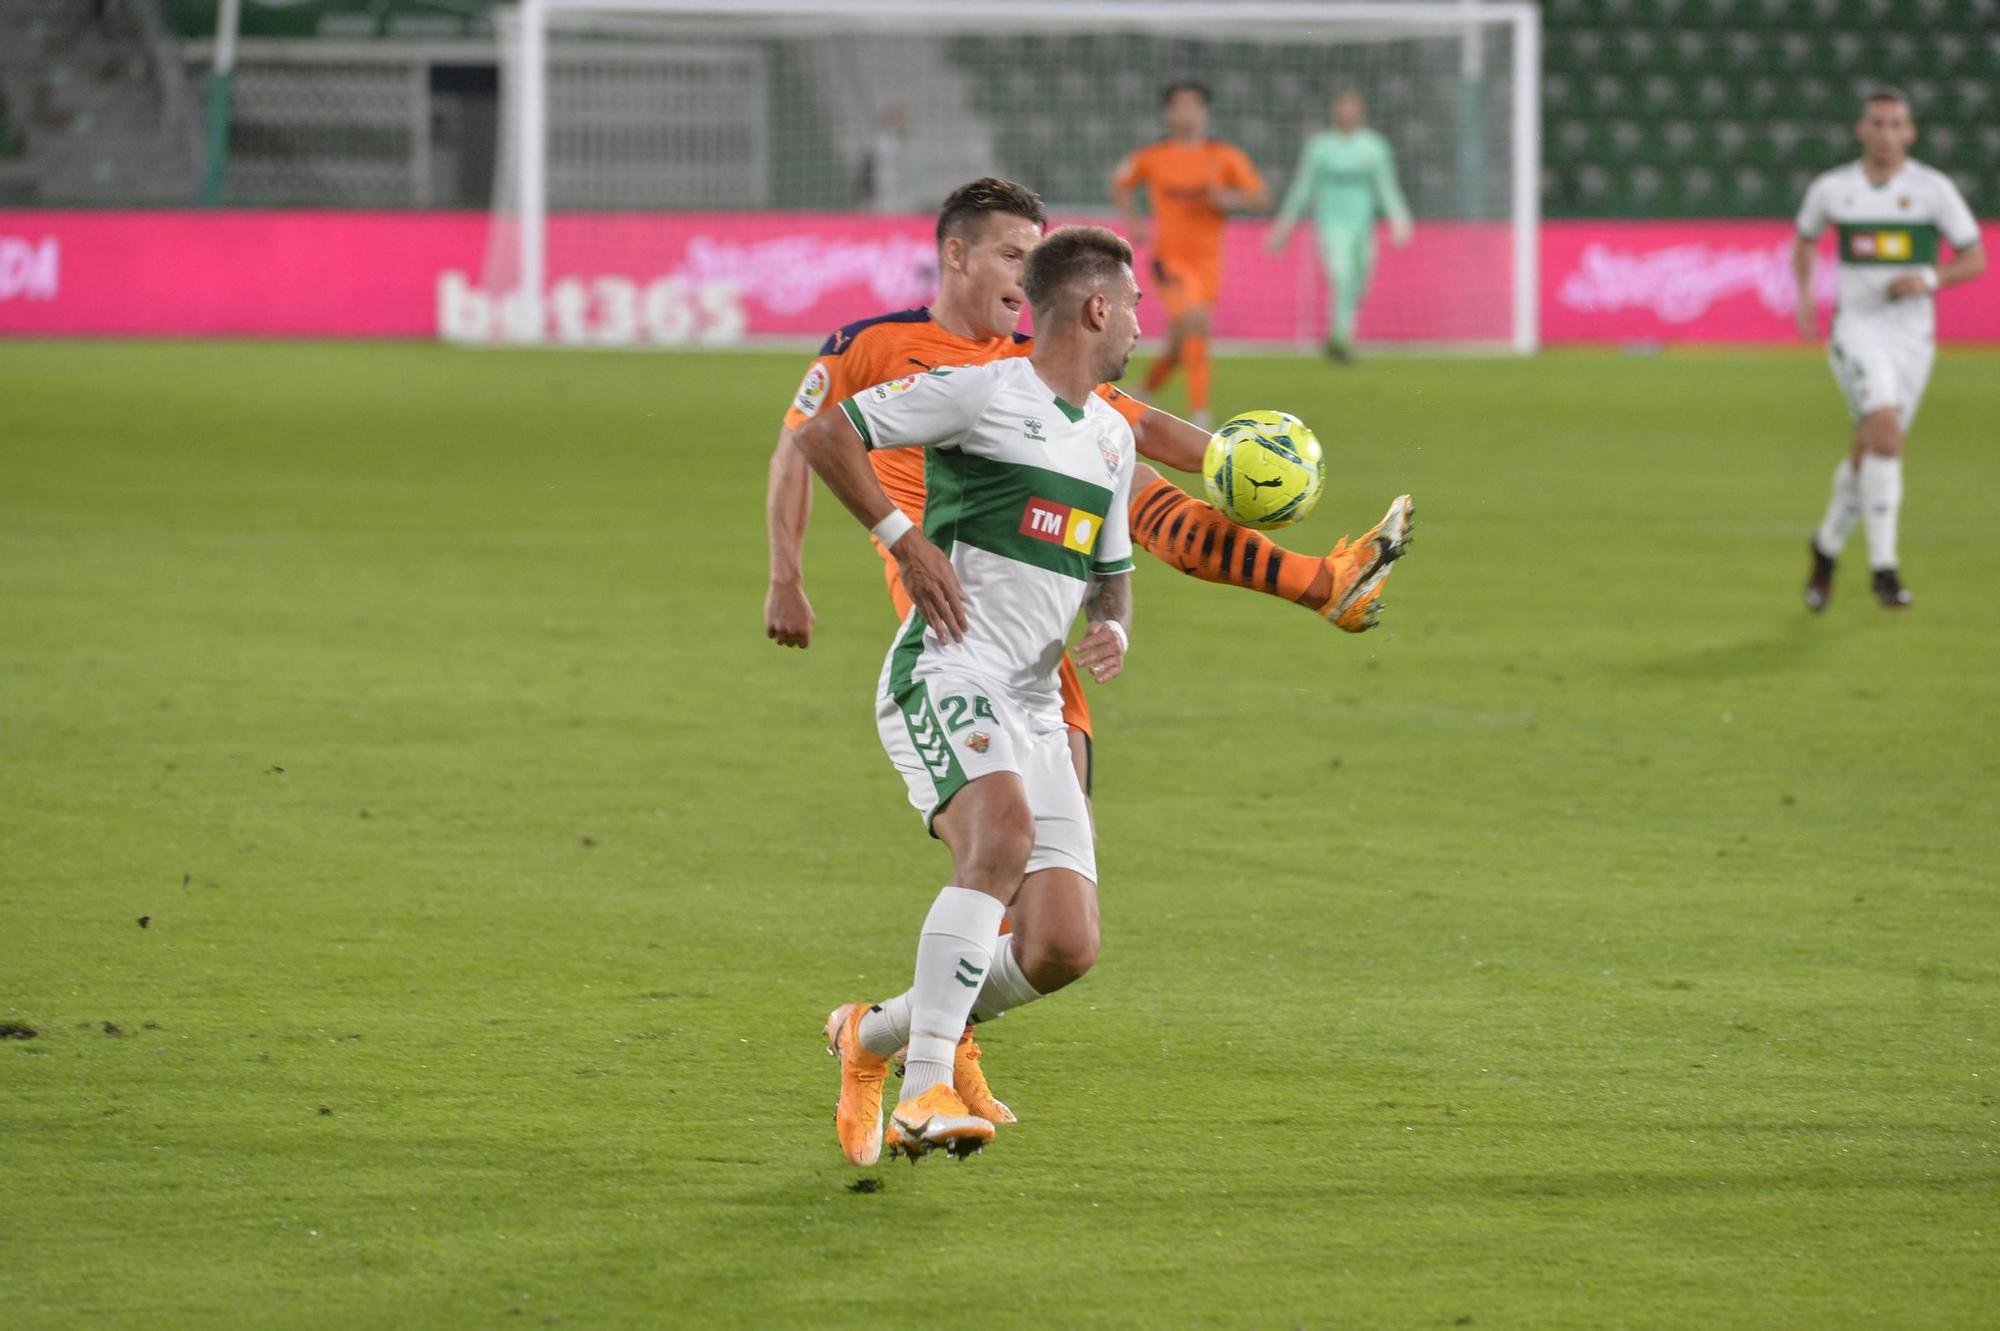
(428, 884)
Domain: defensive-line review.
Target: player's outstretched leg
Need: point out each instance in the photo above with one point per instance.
(1196, 538)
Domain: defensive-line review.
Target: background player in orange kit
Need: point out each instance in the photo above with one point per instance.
(1192, 182)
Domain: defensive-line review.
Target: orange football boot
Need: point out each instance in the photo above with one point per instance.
(970, 1082)
(857, 1114)
(937, 1120)
(1359, 568)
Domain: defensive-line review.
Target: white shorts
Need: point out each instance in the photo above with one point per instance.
(1877, 368)
(948, 730)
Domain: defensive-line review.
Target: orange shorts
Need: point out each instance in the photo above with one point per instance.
(1185, 286)
(1076, 712)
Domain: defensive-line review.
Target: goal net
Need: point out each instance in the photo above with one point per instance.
(686, 172)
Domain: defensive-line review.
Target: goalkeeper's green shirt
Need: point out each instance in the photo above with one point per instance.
(1347, 179)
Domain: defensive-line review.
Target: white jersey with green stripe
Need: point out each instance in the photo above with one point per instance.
(1026, 494)
(1884, 231)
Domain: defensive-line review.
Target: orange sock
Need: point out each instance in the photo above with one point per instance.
(1196, 539)
(1194, 351)
(1160, 371)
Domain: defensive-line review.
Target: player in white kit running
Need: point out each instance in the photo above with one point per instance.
(1888, 212)
(1027, 478)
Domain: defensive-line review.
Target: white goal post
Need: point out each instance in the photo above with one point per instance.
(621, 118)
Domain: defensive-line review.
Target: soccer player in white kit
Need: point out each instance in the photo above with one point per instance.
(1028, 475)
(1888, 212)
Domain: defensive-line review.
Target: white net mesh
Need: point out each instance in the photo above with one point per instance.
(720, 178)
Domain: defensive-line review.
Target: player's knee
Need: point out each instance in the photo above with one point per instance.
(1052, 958)
(1882, 435)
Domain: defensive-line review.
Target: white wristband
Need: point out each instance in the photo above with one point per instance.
(891, 529)
(1930, 276)
(1118, 632)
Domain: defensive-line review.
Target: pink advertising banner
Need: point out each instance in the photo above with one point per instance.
(722, 278)
(1705, 282)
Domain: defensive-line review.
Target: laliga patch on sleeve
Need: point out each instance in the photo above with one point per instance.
(812, 392)
(883, 392)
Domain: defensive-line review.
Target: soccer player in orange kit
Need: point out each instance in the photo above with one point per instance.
(1192, 182)
(986, 231)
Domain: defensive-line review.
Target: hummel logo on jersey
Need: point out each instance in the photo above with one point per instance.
(1060, 524)
(1034, 428)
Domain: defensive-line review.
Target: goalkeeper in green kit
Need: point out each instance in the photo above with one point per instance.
(1348, 174)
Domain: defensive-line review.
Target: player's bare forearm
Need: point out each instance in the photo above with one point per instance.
(1243, 201)
(1109, 597)
(1802, 266)
(787, 508)
(1101, 651)
(1965, 265)
(1126, 201)
(788, 615)
(1165, 438)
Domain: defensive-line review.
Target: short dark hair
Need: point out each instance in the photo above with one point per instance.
(1187, 85)
(1070, 255)
(1883, 92)
(969, 205)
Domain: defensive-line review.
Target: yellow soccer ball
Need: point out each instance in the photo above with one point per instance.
(1264, 469)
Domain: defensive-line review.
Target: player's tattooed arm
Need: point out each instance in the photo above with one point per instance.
(1108, 602)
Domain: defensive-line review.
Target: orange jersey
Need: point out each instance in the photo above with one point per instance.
(890, 346)
(1187, 226)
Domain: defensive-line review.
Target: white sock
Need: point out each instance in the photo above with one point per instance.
(1881, 500)
(952, 958)
(885, 1028)
(1841, 511)
(1006, 985)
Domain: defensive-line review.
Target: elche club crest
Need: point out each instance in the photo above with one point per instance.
(1107, 448)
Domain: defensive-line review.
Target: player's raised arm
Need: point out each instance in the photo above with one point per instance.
(1165, 438)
